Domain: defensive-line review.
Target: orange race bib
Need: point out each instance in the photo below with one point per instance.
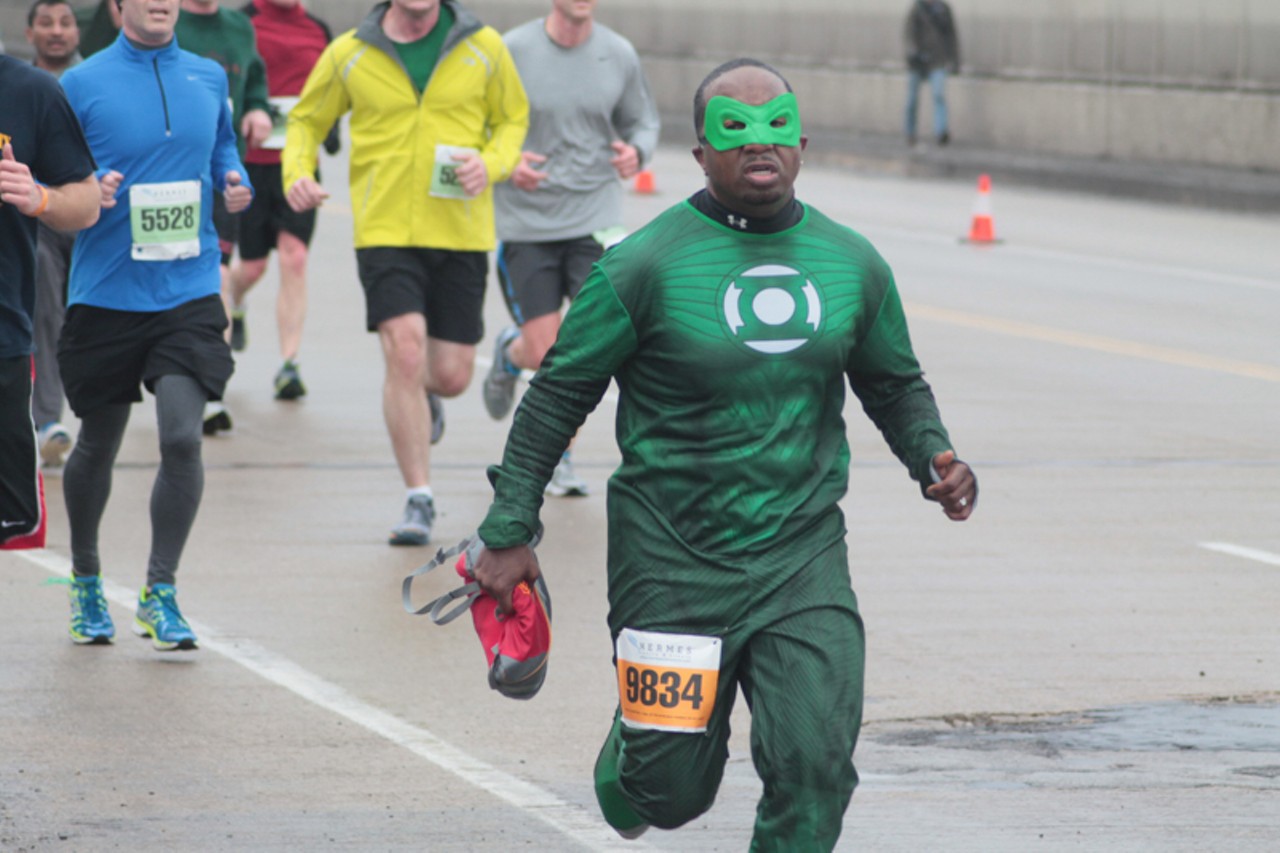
(667, 681)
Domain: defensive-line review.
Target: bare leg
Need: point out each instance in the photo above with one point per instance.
(291, 303)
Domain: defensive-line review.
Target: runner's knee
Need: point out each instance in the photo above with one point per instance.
(671, 779)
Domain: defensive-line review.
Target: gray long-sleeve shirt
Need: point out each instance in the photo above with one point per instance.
(580, 100)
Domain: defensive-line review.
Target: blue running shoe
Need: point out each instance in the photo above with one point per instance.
(159, 618)
(90, 622)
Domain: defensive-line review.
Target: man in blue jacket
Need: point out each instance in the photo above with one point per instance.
(144, 305)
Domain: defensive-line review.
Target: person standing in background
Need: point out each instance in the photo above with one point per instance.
(933, 52)
(55, 37)
(226, 36)
(563, 204)
(438, 115)
(290, 40)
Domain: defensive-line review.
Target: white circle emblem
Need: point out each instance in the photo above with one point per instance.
(774, 306)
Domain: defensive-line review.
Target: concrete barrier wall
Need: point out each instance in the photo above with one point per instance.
(1177, 81)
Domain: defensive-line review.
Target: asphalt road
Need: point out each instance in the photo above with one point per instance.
(1092, 662)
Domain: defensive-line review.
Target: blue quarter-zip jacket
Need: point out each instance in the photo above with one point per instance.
(154, 116)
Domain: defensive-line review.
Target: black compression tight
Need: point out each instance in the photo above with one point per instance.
(179, 483)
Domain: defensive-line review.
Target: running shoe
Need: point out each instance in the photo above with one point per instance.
(565, 482)
(500, 382)
(437, 417)
(55, 444)
(159, 618)
(617, 811)
(216, 418)
(90, 622)
(239, 330)
(289, 382)
(415, 527)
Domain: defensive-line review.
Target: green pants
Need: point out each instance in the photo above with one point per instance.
(798, 658)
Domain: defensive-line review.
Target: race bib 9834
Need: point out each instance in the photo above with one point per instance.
(667, 681)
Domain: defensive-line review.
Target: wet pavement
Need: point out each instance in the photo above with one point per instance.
(1091, 663)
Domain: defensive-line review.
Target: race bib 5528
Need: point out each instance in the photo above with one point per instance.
(165, 220)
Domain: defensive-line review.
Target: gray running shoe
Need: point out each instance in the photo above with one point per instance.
(500, 382)
(437, 417)
(415, 527)
(565, 483)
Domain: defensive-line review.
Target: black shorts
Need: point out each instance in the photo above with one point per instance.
(270, 213)
(105, 354)
(446, 287)
(537, 278)
(227, 225)
(19, 469)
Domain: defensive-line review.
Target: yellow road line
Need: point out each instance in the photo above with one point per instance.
(1098, 343)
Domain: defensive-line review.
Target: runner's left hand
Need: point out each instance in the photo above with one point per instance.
(255, 127)
(626, 159)
(957, 491)
(236, 195)
(472, 173)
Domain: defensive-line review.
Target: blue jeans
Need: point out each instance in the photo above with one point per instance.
(937, 84)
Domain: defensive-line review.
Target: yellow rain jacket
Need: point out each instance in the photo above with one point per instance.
(473, 99)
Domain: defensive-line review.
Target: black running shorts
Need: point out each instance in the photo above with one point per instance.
(446, 287)
(105, 355)
(537, 278)
(270, 213)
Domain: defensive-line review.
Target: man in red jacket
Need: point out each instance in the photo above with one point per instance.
(290, 40)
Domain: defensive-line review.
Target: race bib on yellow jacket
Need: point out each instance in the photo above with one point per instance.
(444, 175)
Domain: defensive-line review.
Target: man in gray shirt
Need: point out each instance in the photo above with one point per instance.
(592, 122)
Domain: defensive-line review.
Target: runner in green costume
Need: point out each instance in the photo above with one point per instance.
(732, 324)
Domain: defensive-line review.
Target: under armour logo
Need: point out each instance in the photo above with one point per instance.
(738, 221)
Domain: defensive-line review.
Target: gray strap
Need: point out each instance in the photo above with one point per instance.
(467, 592)
(441, 556)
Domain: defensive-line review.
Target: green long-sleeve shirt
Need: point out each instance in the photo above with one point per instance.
(732, 353)
(227, 37)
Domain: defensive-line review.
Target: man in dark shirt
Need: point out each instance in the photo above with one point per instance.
(46, 174)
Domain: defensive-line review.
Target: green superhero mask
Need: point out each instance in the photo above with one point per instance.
(757, 122)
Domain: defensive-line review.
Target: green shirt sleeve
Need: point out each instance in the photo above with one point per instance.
(596, 339)
(886, 377)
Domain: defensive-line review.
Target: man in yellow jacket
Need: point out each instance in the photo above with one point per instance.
(438, 115)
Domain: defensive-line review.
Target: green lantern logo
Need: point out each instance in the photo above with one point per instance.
(772, 309)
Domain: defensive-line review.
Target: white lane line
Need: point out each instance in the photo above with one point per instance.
(1241, 551)
(571, 821)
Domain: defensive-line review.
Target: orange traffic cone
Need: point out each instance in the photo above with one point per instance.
(982, 229)
(644, 183)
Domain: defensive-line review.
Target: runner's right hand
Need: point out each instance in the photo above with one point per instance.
(109, 184)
